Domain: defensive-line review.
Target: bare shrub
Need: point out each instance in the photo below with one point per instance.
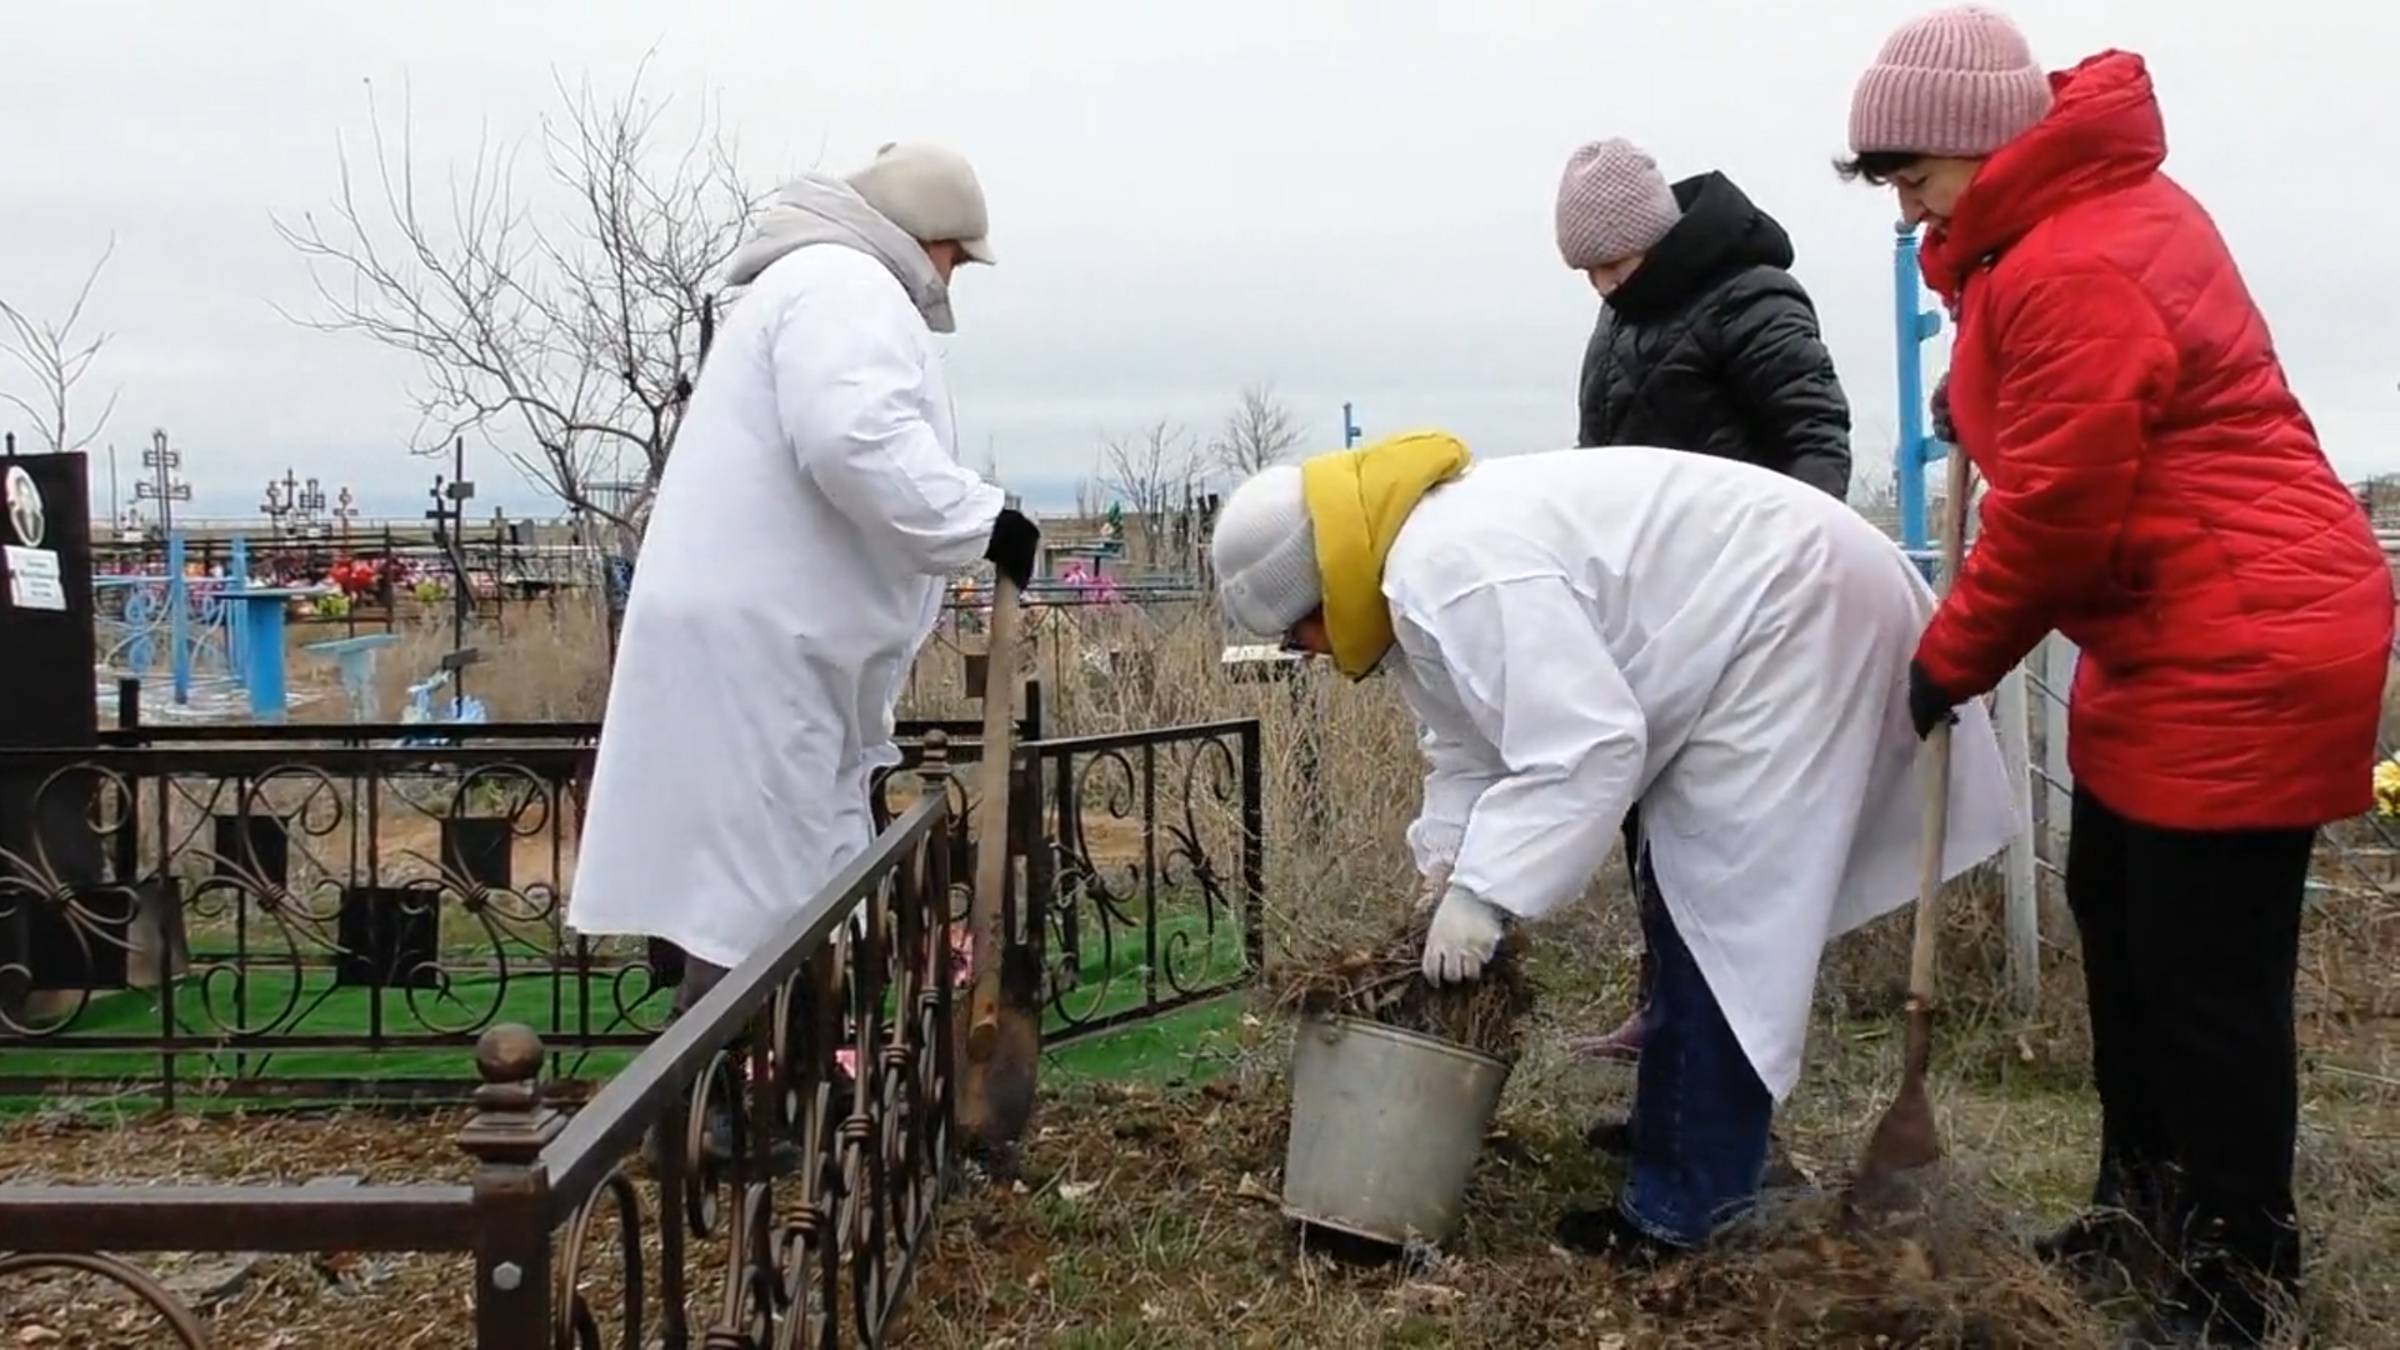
(568, 323)
(1260, 432)
(56, 359)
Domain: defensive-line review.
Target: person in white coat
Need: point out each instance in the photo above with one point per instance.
(1579, 634)
(794, 563)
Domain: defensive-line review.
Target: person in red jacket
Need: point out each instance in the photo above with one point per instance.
(2155, 493)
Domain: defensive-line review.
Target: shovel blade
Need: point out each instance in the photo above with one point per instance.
(996, 1097)
(1902, 1151)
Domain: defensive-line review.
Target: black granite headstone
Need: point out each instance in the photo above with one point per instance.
(49, 847)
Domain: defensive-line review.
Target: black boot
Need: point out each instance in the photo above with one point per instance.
(2194, 1321)
(2231, 1285)
(2168, 1329)
(2095, 1243)
(716, 1145)
(1606, 1233)
(1610, 1138)
(2116, 1238)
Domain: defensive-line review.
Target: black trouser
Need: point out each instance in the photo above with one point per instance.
(2190, 944)
(698, 978)
(1645, 900)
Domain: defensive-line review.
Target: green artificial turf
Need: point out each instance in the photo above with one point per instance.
(1119, 970)
(1189, 1045)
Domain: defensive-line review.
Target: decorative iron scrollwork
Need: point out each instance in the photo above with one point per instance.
(135, 1281)
(1153, 902)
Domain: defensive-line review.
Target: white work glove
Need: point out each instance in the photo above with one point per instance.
(1431, 888)
(1465, 933)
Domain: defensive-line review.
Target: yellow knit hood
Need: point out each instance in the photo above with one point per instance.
(1357, 501)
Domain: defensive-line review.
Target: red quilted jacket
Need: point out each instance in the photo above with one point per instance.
(2154, 491)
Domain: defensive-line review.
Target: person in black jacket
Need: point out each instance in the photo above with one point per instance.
(1705, 343)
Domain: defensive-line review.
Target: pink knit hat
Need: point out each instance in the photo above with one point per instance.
(1612, 204)
(1957, 82)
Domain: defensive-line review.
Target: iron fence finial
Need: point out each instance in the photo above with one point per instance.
(511, 1124)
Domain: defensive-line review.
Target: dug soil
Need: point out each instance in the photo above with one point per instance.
(1150, 1218)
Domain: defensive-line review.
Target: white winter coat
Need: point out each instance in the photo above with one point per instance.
(1588, 629)
(794, 564)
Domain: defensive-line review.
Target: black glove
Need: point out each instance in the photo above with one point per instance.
(1929, 705)
(1015, 540)
(1942, 426)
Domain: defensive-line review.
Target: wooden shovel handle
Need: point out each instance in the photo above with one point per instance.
(991, 819)
(1933, 840)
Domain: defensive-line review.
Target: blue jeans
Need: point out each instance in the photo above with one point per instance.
(1700, 1113)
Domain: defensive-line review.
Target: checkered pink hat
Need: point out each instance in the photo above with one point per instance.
(1612, 204)
(1957, 82)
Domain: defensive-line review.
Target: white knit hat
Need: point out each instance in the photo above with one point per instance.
(1612, 203)
(1265, 551)
(931, 193)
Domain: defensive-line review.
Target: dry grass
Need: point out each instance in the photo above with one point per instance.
(536, 661)
(1383, 982)
(1151, 1220)
(92, 1144)
(1148, 1219)
(288, 1302)
(1335, 866)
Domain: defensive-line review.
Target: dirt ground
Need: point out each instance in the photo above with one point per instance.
(247, 1302)
(1150, 1219)
(1147, 1217)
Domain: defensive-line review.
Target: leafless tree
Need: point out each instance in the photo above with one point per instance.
(1260, 431)
(1153, 474)
(566, 326)
(57, 360)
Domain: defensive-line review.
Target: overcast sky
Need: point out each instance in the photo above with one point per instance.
(1349, 200)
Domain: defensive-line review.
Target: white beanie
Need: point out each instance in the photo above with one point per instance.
(1265, 551)
(931, 193)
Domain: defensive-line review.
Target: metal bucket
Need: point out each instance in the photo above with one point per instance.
(1386, 1125)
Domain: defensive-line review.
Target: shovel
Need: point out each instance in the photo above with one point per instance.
(1904, 1148)
(1002, 1041)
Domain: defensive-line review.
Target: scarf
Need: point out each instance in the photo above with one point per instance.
(1357, 501)
(814, 209)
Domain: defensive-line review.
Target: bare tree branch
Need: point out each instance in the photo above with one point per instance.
(1259, 432)
(1154, 475)
(565, 328)
(57, 361)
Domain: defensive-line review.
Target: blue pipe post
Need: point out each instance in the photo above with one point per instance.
(262, 632)
(237, 580)
(1349, 428)
(179, 620)
(1913, 326)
